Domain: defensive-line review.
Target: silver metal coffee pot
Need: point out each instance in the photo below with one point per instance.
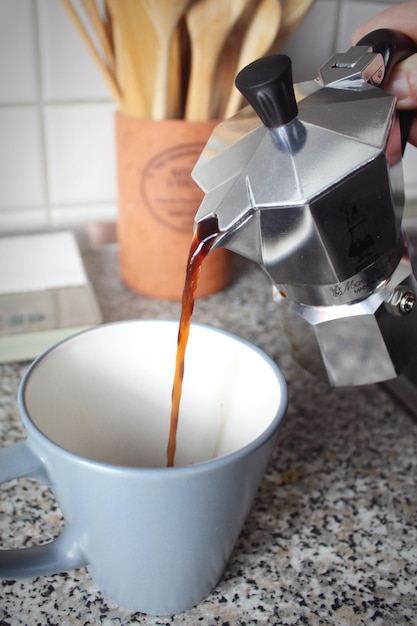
(307, 182)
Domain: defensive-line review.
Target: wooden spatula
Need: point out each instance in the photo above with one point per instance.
(262, 31)
(209, 23)
(164, 16)
(136, 52)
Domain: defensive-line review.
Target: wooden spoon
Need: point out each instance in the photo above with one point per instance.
(209, 23)
(164, 16)
(261, 32)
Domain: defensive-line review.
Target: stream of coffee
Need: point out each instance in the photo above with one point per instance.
(203, 239)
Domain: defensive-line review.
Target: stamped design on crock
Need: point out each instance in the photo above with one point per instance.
(169, 192)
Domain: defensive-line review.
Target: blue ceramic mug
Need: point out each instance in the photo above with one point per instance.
(96, 408)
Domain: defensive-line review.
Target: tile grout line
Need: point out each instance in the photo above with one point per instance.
(40, 107)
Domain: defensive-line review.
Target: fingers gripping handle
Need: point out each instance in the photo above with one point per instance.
(394, 47)
(59, 555)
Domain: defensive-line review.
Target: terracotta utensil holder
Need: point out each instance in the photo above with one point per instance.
(157, 203)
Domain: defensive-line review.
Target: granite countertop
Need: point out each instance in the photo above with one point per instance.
(332, 536)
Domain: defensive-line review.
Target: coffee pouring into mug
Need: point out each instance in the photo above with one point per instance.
(307, 182)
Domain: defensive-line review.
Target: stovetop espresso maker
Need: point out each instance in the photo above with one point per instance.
(307, 182)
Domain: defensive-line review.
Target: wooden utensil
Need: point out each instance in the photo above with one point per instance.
(164, 16)
(261, 33)
(209, 23)
(105, 71)
(102, 33)
(135, 48)
(227, 61)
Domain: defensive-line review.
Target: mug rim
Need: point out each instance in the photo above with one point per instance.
(274, 425)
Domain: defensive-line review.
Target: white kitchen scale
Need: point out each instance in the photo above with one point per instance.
(45, 294)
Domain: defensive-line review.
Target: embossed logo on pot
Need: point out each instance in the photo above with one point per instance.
(168, 189)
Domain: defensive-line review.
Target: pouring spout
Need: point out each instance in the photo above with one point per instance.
(241, 237)
(208, 228)
(233, 206)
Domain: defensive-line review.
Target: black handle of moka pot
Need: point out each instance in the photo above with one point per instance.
(394, 47)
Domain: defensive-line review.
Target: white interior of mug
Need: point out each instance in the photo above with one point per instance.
(105, 394)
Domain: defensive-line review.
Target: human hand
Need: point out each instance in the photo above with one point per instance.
(402, 81)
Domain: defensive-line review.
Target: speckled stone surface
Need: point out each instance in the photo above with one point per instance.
(332, 536)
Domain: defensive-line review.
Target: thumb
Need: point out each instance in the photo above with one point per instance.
(402, 83)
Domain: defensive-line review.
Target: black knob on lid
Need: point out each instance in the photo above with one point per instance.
(267, 85)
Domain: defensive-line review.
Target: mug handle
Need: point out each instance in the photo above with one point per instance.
(61, 554)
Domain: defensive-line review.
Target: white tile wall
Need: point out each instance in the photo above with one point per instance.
(75, 137)
(68, 72)
(22, 181)
(18, 67)
(57, 162)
